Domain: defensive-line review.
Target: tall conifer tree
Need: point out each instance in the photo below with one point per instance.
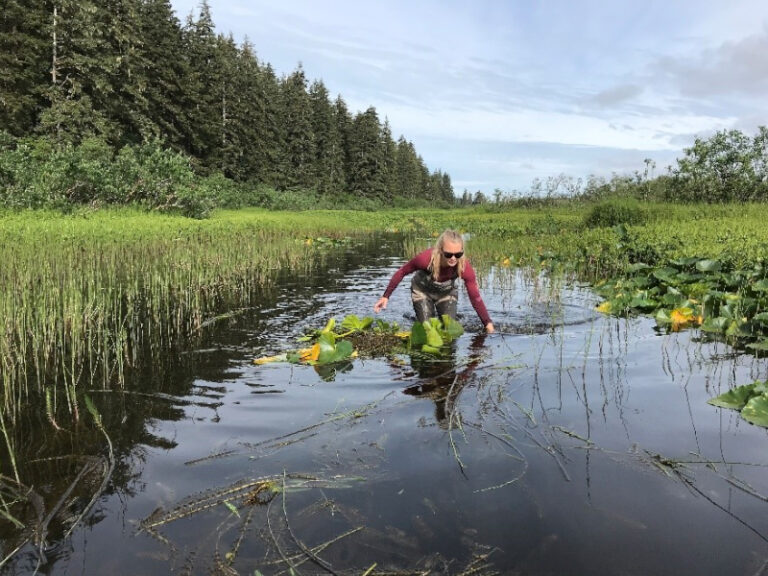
(82, 68)
(202, 86)
(168, 99)
(299, 150)
(24, 64)
(366, 157)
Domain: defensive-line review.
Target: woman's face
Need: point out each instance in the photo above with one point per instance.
(451, 252)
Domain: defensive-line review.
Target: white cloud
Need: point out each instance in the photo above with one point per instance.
(532, 125)
(624, 80)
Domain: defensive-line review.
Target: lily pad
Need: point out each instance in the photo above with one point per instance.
(761, 345)
(756, 410)
(434, 338)
(418, 335)
(666, 275)
(735, 399)
(451, 327)
(353, 323)
(708, 266)
(717, 325)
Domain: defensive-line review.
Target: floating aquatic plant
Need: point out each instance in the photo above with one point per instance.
(751, 400)
(690, 292)
(377, 337)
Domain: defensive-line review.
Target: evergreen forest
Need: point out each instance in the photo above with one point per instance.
(109, 102)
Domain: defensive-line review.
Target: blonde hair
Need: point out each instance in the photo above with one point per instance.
(437, 253)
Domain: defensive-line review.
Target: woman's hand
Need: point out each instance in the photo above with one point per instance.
(489, 329)
(381, 304)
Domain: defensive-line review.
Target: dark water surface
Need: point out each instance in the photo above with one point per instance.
(569, 443)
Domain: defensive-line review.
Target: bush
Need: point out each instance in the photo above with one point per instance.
(614, 212)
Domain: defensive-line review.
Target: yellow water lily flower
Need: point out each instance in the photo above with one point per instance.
(505, 262)
(681, 317)
(403, 334)
(605, 307)
(309, 354)
(268, 359)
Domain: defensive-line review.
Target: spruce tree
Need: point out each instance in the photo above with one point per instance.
(203, 85)
(407, 170)
(82, 68)
(343, 121)
(329, 153)
(166, 73)
(228, 154)
(446, 189)
(389, 154)
(245, 109)
(299, 150)
(367, 177)
(269, 128)
(24, 64)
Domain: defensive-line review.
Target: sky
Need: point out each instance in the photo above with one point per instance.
(499, 92)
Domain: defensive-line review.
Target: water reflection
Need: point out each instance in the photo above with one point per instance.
(443, 379)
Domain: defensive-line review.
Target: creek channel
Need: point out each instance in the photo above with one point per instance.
(568, 443)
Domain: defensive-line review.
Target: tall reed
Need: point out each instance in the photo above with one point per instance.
(81, 297)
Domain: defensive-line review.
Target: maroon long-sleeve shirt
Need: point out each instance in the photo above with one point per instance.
(421, 262)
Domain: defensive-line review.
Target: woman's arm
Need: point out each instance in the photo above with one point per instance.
(418, 262)
(470, 280)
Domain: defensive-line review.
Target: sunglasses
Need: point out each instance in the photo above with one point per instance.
(449, 255)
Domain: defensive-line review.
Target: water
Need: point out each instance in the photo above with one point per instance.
(569, 443)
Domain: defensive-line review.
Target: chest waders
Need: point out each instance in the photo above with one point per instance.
(433, 299)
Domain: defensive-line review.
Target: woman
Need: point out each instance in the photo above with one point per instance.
(433, 287)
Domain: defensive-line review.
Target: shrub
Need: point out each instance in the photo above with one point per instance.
(616, 211)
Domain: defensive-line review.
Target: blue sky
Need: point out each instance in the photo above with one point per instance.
(499, 92)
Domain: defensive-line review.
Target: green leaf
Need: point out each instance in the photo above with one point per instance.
(418, 335)
(666, 275)
(687, 278)
(430, 349)
(232, 508)
(762, 317)
(756, 410)
(327, 342)
(708, 266)
(451, 327)
(641, 303)
(761, 345)
(350, 322)
(433, 335)
(344, 350)
(684, 262)
(716, 325)
(736, 398)
(637, 267)
(761, 285)
(356, 324)
(663, 317)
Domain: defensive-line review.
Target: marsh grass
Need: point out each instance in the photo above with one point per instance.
(84, 298)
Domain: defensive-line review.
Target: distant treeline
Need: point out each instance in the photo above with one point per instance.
(730, 166)
(99, 97)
